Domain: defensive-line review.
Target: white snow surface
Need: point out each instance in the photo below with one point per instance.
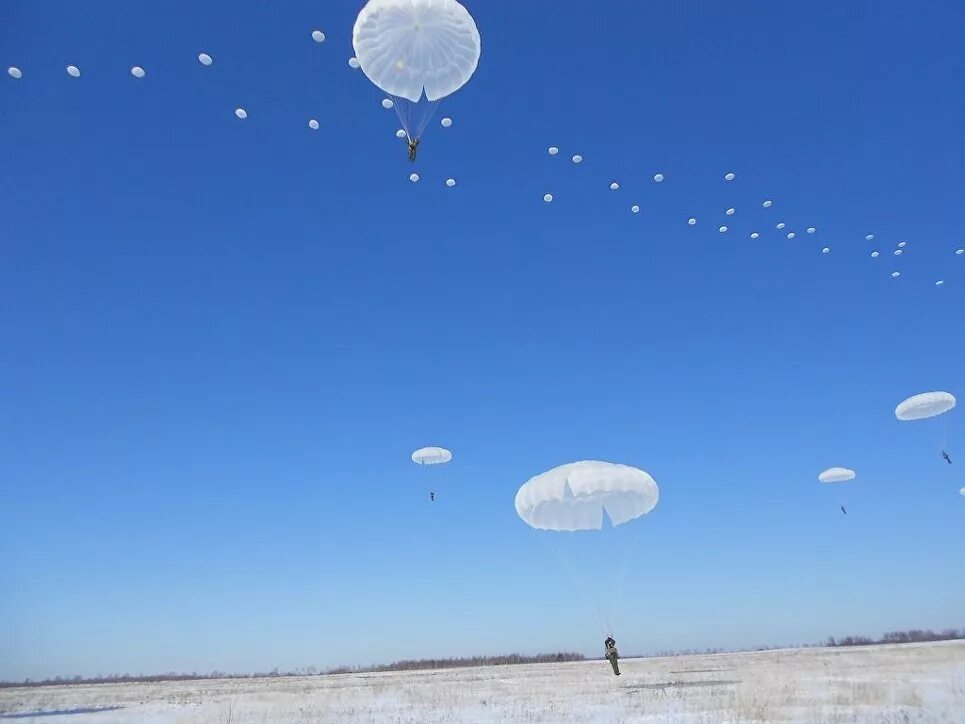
(906, 683)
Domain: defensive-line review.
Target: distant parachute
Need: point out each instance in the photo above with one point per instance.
(730, 212)
(755, 235)
(318, 36)
(313, 124)
(431, 456)
(836, 475)
(73, 71)
(635, 209)
(400, 133)
(614, 186)
(869, 237)
(940, 283)
(417, 52)
(414, 177)
(576, 496)
(729, 177)
(925, 405)
(388, 104)
(791, 235)
(811, 229)
(962, 491)
(450, 182)
(722, 230)
(902, 244)
(895, 275)
(15, 72)
(959, 252)
(445, 122)
(137, 71)
(875, 255)
(548, 198)
(767, 204)
(353, 62)
(826, 250)
(577, 159)
(205, 59)
(691, 221)
(658, 177)
(781, 226)
(553, 150)
(241, 113)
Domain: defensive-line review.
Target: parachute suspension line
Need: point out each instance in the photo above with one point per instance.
(575, 583)
(413, 116)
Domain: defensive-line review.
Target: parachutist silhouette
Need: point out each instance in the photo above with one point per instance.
(947, 459)
(413, 149)
(432, 495)
(610, 646)
(843, 510)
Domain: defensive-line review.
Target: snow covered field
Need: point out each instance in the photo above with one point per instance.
(917, 682)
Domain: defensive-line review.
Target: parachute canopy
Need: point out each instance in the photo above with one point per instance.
(574, 496)
(205, 59)
(925, 405)
(411, 47)
(431, 456)
(836, 475)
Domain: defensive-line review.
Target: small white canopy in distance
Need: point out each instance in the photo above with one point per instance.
(241, 113)
(899, 252)
(691, 221)
(781, 226)
(401, 133)
(548, 198)
(15, 72)
(940, 283)
(869, 237)
(811, 229)
(450, 182)
(313, 124)
(875, 254)
(577, 158)
(414, 177)
(658, 177)
(767, 204)
(387, 103)
(635, 209)
(410, 49)
(925, 405)
(836, 475)
(826, 250)
(902, 244)
(353, 62)
(73, 71)
(961, 491)
(137, 71)
(755, 235)
(722, 230)
(895, 275)
(791, 235)
(446, 122)
(729, 177)
(318, 36)
(614, 186)
(431, 456)
(553, 150)
(730, 212)
(959, 252)
(205, 59)
(575, 496)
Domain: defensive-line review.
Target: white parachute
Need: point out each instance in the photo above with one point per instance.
(73, 71)
(548, 198)
(575, 496)
(658, 177)
(431, 456)
(137, 71)
(417, 51)
(837, 475)
(925, 405)
(205, 59)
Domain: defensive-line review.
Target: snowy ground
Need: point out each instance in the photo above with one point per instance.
(875, 684)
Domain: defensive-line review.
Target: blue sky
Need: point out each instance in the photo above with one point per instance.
(222, 339)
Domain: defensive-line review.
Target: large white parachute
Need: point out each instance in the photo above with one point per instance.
(574, 496)
(925, 405)
(431, 456)
(411, 47)
(836, 475)
(415, 50)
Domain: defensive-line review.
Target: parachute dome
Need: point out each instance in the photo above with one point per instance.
(575, 496)
(836, 475)
(411, 47)
(431, 456)
(205, 59)
(925, 405)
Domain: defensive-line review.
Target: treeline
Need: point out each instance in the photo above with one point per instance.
(415, 665)
(422, 664)
(900, 637)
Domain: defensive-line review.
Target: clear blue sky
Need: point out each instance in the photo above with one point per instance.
(221, 339)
